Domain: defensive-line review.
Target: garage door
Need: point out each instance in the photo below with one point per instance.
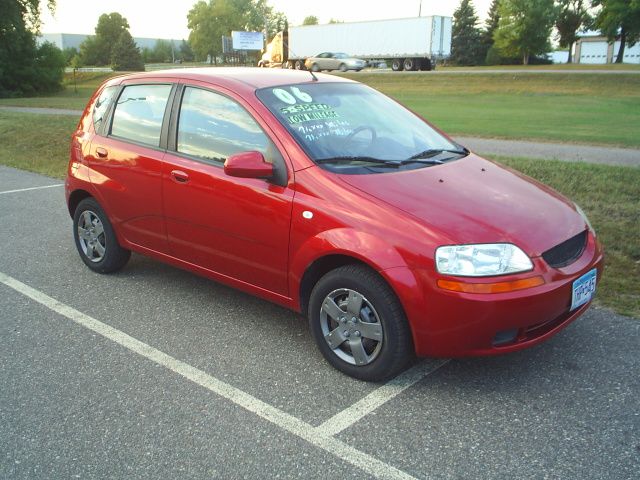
(593, 52)
(631, 54)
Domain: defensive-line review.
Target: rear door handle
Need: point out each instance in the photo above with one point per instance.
(102, 152)
(179, 176)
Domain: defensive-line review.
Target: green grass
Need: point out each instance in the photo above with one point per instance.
(569, 108)
(70, 97)
(584, 108)
(38, 143)
(555, 66)
(610, 195)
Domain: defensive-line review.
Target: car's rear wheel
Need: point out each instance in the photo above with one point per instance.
(343, 67)
(95, 239)
(359, 325)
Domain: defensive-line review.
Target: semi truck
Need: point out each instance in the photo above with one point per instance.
(405, 43)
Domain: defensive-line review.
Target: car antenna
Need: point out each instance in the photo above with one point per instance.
(313, 75)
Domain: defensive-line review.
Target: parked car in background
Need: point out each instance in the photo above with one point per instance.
(329, 198)
(334, 61)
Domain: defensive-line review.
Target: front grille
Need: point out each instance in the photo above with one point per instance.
(567, 252)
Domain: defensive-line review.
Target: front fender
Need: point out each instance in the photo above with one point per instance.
(367, 248)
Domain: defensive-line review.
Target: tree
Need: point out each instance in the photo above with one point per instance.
(108, 31)
(205, 22)
(125, 55)
(619, 20)
(490, 26)
(186, 54)
(89, 52)
(26, 68)
(524, 27)
(310, 20)
(573, 14)
(163, 51)
(50, 63)
(98, 49)
(208, 22)
(69, 53)
(466, 42)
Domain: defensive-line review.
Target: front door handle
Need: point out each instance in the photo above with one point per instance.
(179, 176)
(102, 152)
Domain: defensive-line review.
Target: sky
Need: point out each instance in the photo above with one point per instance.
(158, 19)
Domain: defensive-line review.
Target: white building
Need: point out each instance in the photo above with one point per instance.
(593, 48)
(68, 40)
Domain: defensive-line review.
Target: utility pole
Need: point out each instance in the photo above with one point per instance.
(420, 9)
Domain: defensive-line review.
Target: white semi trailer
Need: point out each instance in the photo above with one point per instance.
(404, 43)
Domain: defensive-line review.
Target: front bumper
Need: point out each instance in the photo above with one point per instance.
(453, 324)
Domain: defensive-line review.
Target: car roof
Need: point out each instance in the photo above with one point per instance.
(242, 77)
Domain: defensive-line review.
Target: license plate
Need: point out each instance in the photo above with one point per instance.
(583, 289)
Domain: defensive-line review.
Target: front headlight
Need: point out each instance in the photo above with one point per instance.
(482, 260)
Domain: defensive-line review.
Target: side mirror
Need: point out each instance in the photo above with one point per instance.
(248, 165)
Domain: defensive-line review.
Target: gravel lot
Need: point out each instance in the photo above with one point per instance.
(157, 373)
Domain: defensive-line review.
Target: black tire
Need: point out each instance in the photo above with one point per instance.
(409, 64)
(299, 65)
(315, 67)
(397, 65)
(114, 257)
(385, 357)
(343, 68)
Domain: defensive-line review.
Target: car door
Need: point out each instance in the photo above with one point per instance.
(332, 63)
(125, 163)
(237, 227)
(324, 61)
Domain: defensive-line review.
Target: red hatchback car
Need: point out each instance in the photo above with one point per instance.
(325, 196)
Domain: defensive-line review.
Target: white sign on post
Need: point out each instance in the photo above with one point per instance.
(247, 40)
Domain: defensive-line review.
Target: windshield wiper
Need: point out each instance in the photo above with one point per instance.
(434, 152)
(345, 159)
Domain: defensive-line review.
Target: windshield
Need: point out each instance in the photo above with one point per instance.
(352, 128)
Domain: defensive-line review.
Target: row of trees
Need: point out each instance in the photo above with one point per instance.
(209, 21)
(518, 30)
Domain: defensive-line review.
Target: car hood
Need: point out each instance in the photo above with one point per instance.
(473, 200)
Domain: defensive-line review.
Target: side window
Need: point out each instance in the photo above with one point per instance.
(139, 112)
(214, 127)
(101, 105)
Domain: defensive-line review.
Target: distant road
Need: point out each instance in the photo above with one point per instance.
(484, 146)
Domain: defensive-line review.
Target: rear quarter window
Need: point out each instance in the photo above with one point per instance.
(139, 113)
(101, 106)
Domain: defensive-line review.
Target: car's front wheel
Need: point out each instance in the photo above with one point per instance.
(95, 239)
(359, 325)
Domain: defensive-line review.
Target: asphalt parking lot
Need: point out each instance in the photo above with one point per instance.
(154, 372)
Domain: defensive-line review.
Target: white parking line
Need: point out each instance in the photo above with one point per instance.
(378, 397)
(291, 424)
(32, 188)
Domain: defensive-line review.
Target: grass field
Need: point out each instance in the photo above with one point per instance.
(555, 66)
(69, 97)
(609, 195)
(571, 108)
(38, 143)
